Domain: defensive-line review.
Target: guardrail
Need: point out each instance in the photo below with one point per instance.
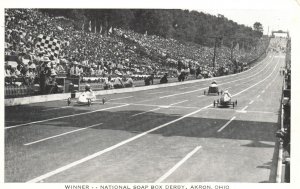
(279, 171)
(18, 91)
(283, 171)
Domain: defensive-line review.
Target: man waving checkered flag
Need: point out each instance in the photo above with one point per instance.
(49, 43)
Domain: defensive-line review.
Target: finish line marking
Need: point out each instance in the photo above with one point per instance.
(167, 174)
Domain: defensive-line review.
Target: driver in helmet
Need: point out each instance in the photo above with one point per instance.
(88, 88)
(227, 96)
(214, 82)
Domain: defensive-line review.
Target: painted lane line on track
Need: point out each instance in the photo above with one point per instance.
(66, 167)
(50, 109)
(228, 122)
(75, 163)
(145, 112)
(158, 92)
(62, 134)
(184, 87)
(257, 96)
(187, 92)
(261, 112)
(263, 91)
(244, 108)
(155, 105)
(72, 115)
(171, 105)
(120, 98)
(272, 81)
(92, 156)
(167, 174)
(200, 96)
(258, 82)
(162, 106)
(251, 101)
(178, 102)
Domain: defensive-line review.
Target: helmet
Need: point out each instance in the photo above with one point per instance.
(87, 87)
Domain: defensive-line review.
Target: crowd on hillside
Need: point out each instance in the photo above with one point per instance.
(86, 54)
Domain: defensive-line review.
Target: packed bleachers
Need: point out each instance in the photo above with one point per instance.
(93, 57)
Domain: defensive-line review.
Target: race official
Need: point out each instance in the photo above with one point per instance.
(149, 79)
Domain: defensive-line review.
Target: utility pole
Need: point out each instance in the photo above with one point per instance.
(215, 48)
(231, 54)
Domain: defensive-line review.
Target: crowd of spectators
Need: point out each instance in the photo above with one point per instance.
(87, 54)
(287, 112)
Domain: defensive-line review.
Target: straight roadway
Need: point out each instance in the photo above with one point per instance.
(171, 134)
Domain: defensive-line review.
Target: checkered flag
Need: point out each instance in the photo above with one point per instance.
(49, 43)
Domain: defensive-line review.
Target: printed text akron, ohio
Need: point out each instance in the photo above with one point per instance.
(148, 186)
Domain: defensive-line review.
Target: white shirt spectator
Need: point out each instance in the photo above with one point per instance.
(59, 69)
(74, 71)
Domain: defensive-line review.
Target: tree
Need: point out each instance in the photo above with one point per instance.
(258, 28)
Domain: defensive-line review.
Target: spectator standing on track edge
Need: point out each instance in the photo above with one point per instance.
(149, 79)
(164, 79)
(107, 83)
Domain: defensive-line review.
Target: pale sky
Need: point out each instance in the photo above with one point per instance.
(272, 14)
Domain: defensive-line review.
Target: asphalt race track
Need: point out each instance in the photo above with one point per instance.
(171, 134)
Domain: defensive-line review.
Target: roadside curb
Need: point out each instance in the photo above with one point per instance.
(53, 97)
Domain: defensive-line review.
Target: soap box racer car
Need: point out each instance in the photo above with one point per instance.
(85, 98)
(213, 89)
(225, 101)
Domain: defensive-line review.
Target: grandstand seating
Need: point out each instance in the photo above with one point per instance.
(123, 53)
